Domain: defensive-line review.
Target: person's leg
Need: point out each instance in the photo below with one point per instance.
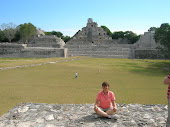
(168, 119)
(100, 112)
(110, 111)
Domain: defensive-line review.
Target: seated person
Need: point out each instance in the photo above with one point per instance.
(105, 102)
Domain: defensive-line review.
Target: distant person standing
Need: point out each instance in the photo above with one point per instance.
(76, 75)
(167, 81)
(98, 70)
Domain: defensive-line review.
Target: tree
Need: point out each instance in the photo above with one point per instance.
(118, 34)
(27, 32)
(57, 33)
(152, 29)
(107, 30)
(48, 33)
(1, 35)
(66, 38)
(17, 36)
(162, 36)
(9, 30)
(131, 36)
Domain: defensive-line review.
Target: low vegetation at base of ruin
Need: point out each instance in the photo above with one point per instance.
(132, 81)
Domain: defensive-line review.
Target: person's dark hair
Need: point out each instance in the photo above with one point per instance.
(105, 84)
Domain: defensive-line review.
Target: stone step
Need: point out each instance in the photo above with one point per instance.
(89, 46)
(111, 49)
(43, 45)
(102, 56)
(99, 52)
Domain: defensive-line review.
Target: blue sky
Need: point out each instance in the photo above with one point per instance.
(69, 16)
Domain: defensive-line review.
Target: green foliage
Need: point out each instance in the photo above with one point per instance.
(58, 34)
(27, 32)
(162, 36)
(66, 38)
(48, 33)
(17, 37)
(2, 37)
(127, 34)
(107, 30)
(9, 30)
(152, 29)
(131, 36)
(118, 34)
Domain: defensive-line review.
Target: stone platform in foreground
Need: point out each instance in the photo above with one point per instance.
(82, 115)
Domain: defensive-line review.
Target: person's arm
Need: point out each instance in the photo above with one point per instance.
(167, 80)
(95, 105)
(114, 106)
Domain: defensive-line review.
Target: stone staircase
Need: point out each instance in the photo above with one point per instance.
(47, 41)
(101, 51)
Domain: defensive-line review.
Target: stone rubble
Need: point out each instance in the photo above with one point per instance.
(82, 115)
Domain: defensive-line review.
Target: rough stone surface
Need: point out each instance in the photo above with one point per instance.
(82, 115)
(91, 34)
(93, 41)
(148, 53)
(47, 41)
(104, 51)
(9, 50)
(146, 41)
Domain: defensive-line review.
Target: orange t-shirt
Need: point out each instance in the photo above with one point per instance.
(105, 100)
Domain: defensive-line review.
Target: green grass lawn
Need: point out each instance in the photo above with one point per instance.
(132, 81)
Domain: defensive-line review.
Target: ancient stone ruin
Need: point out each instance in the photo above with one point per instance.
(146, 46)
(83, 115)
(41, 47)
(47, 41)
(93, 41)
(90, 41)
(91, 35)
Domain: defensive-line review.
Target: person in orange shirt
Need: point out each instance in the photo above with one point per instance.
(105, 102)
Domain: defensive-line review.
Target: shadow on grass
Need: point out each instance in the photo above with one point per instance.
(150, 68)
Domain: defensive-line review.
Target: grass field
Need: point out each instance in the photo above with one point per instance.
(132, 81)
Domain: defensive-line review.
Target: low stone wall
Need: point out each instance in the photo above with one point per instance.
(147, 54)
(101, 51)
(83, 115)
(22, 51)
(42, 52)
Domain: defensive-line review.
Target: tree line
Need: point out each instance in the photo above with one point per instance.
(162, 37)
(23, 33)
(132, 37)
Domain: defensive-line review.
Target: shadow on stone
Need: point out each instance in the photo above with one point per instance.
(92, 119)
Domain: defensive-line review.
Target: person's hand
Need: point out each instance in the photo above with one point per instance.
(115, 109)
(95, 108)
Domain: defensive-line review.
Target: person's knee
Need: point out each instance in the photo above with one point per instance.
(96, 109)
(114, 110)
